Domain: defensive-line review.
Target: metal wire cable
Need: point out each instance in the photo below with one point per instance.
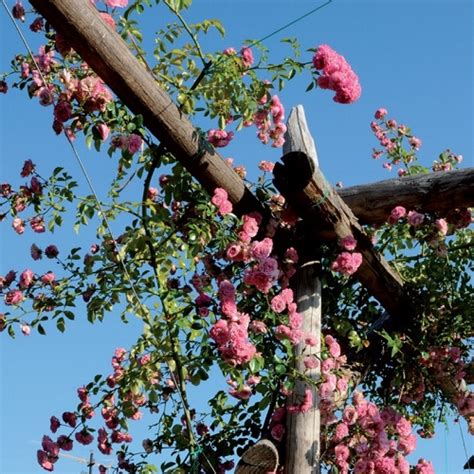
(210, 65)
(464, 446)
(291, 23)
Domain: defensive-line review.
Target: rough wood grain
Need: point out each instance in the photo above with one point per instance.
(109, 56)
(261, 458)
(434, 192)
(306, 189)
(302, 450)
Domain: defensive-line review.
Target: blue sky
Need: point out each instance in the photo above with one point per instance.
(414, 57)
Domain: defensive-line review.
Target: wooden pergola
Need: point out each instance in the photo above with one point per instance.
(330, 214)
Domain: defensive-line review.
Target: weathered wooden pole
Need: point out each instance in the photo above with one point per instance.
(303, 429)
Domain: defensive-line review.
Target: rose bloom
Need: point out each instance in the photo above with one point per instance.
(14, 297)
(415, 218)
(397, 213)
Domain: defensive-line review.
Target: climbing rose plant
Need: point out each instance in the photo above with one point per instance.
(214, 289)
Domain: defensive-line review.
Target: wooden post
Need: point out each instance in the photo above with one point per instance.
(303, 429)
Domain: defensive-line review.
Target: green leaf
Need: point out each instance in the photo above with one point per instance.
(61, 325)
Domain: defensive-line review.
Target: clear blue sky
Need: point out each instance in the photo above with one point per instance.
(414, 57)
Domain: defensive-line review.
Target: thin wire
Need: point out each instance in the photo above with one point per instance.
(209, 66)
(84, 171)
(464, 446)
(291, 23)
(446, 449)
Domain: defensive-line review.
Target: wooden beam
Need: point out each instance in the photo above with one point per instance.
(302, 448)
(314, 199)
(434, 192)
(79, 22)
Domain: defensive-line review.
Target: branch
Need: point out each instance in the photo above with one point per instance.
(438, 192)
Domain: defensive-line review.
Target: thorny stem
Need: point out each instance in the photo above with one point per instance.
(182, 385)
(189, 31)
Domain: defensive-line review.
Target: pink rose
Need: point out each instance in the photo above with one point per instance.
(310, 362)
(13, 297)
(342, 430)
(152, 193)
(116, 3)
(28, 168)
(62, 111)
(403, 427)
(261, 250)
(277, 432)
(54, 424)
(84, 437)
(103, 131)
(18, 225)
(250, 225)
(442, 226)
(278, 304)
(26, 279)
(342, 453)
(219, 138)
(37, 224)
(347, 263)
(134, 143)
(64, 443)
(424, 467)
(397, 213)
(266, 166)
(349, 415)
(51, 251)
(25, 329)
(44, 460)
(247, 57)
(380, 113)
(415, 218)
(348, 243)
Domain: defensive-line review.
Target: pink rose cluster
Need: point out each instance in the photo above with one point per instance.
(269, 122)
(305, 404)
(348, 261)
(26, 195)
(277, 424)
(390, 135)
(221, 201)
(447, 161)
(434, 229)
(335, 380)
(219, 138)
(231, 332)
(445, 363)
(293, 331)
(116, 3)
(368, 439)
(131, 143)
(336, 75)
(245, 391)
(27, 283)
(424, 467)
(90, 92)
(246, 56)
(110, 411)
